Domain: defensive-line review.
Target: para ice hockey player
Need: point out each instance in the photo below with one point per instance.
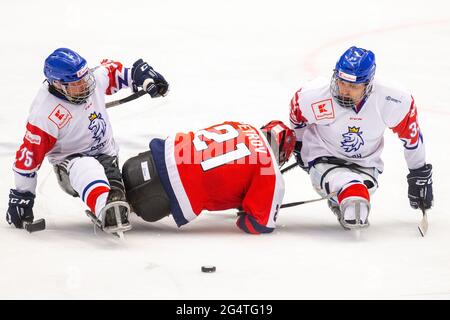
(69, 125)
(226, 166)
(339, 129)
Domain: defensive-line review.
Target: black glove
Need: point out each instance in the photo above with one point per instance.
(420, 187)
(20, 208)
(151, 81)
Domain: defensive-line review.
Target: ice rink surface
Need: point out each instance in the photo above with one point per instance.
(229, 60)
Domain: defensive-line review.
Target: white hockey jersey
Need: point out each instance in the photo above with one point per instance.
(57, 128)
(327, 129)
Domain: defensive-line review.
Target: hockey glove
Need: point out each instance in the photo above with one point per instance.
(248, 224)
(151, 81)
(420, 187)
(20, 208)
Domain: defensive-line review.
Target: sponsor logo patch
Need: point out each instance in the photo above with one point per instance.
(346, 76)
(82, 71)
(33, 138)
(60, 116)
(323, 109)
(389, 98)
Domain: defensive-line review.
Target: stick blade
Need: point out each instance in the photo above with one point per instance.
(423, 225)
(423, 228)
(37, 225)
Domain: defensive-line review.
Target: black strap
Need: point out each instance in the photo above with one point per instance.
(340, 163)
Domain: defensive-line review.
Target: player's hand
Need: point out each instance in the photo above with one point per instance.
(20, 208)
(420, 187)
(249, 224)
(151, 81)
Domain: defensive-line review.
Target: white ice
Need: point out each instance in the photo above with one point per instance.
(229, 60)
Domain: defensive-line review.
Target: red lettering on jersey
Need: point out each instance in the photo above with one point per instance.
(60, 116)
(323, 109)
(32, 138)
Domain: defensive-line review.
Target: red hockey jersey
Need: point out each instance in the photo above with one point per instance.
(225, 166)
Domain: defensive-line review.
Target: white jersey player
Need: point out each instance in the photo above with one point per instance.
(339, 129)
(69, 125)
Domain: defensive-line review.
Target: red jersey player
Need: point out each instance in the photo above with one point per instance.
(225, 166)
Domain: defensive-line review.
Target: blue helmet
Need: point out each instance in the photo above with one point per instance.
(356, 65)
(65, 66)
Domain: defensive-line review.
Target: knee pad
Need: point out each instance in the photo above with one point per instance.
(143, 188)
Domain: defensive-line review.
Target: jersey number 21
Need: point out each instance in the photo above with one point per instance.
(241, 150)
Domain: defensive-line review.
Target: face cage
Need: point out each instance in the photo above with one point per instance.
(282, 158)
(81, 97)
(278, 149)
(345, 101)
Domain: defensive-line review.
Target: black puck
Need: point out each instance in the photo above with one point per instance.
(208, 269)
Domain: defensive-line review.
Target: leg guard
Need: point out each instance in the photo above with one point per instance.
(144, 189)
(88, 179)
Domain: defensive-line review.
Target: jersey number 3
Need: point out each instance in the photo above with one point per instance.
(241, 150)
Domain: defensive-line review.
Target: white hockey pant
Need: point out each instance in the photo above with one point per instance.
(88, 179)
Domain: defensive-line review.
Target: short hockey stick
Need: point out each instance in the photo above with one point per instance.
(423, 225)
(283, 170)
(293, 204)
(131, 97)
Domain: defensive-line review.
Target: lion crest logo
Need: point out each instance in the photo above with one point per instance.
(352, 139)
(97, 125)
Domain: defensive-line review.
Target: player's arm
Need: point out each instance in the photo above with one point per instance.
(141, 75)
(36, 144)
(298, 123)
(118, 76)
(261, 203)
(420, 190)
(409, 132)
